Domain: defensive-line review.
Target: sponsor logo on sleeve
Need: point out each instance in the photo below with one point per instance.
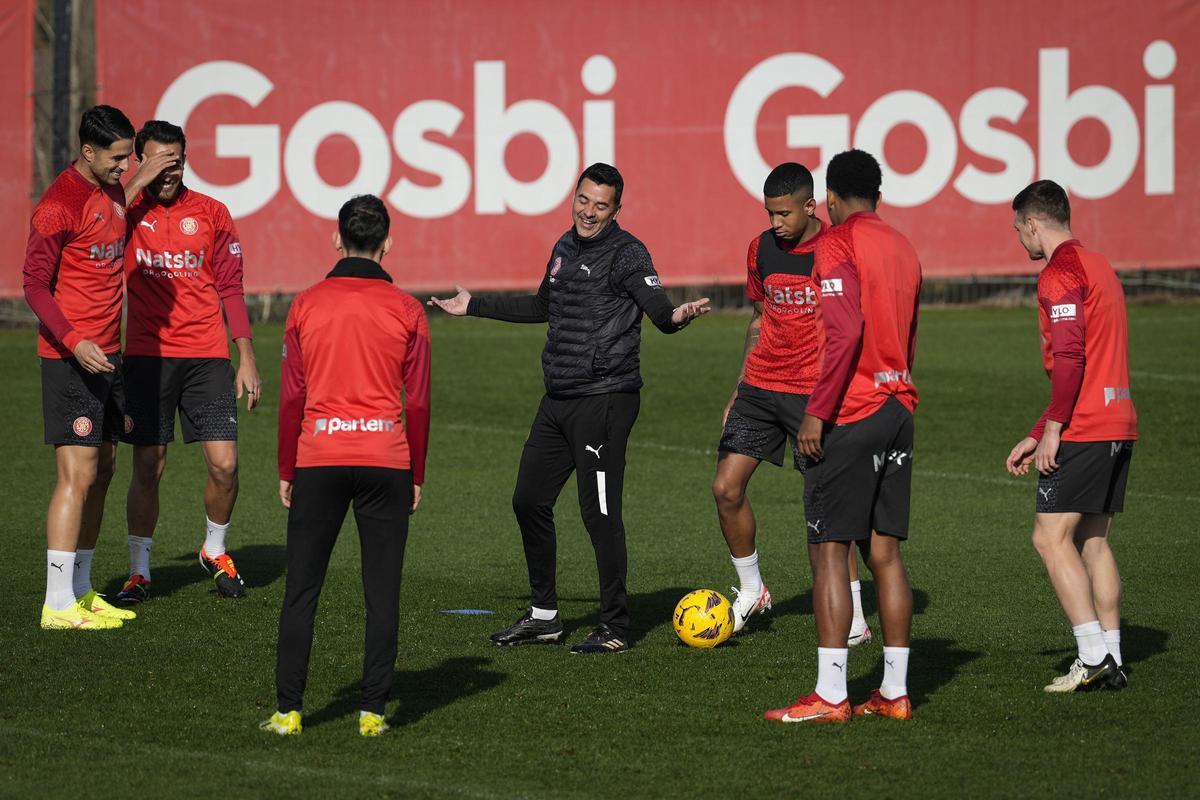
(1063, 312)
(235, 248)
(652, 280)
(831, 287)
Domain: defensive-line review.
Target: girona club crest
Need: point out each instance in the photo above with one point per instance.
(119, 210)
(188, 225)
(82, 426)
(128, 424)
(557, 266)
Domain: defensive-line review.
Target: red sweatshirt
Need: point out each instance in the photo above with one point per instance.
(353, 343)
(870, 292)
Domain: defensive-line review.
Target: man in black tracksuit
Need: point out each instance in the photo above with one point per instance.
(598, 282)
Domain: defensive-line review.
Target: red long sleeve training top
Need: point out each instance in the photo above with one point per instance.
(870, 280)
(353, 343)
(1085, 336)
(72, 272)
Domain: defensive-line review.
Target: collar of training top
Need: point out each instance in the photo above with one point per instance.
(355, 267)
(608, 231)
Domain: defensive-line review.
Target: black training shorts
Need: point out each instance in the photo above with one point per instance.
(1090, 479)
(81, 407)
(202, 389)
(761, 422)
(864, 481)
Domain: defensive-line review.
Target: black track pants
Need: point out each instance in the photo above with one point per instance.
(382, 499)
(587, 435)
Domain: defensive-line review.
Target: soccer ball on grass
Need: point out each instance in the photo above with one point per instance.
(703, 618)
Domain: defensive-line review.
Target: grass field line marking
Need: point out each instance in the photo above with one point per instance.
(294, 769)
(995, 480)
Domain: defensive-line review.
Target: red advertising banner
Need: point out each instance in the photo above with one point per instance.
(16, 131)
(472, 120)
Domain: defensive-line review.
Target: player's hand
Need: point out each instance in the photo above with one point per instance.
(689, 311)
(808, 439)
(285, 493)
(1045, 458)
(149, 168)
(91, 357)
(249, 382)
(456, 306)
(1021, 456)
(416, 499)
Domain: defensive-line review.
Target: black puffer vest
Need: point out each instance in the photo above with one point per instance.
(595, 330)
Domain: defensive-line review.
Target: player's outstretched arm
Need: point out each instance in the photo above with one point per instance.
(1021, 457)
(687, 312)
(455, 306)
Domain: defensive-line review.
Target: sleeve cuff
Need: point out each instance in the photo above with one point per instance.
(71, 340)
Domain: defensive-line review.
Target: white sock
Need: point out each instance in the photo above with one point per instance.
(214, 542)
(139, 555)
(749, 578)
(859, 622)
(81, 579)
(831, 673)
(1112, 641)
(60, 567)
(544, 613)
(1090, 638)
(895, 672)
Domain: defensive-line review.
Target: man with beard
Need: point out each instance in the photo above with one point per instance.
(183, 264)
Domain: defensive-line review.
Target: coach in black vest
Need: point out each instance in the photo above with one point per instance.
(598, 282)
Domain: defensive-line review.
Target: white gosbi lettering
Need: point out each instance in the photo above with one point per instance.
(496, 124)
(1059, 110)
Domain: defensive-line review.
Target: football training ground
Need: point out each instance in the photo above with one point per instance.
(168, 706)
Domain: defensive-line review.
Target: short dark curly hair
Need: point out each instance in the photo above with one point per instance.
(1044, 199)
(854, 174)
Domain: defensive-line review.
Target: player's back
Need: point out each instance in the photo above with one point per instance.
(889, 274)
(356, 336)
(1104, 409)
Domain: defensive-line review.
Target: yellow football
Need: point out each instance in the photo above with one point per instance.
(703, 618)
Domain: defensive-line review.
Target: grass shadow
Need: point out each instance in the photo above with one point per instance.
(419, 692)
(933, 664)
(259, 565)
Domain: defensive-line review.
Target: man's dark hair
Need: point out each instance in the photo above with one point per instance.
(363, 224)
(854, 175)
(788, 179)
(1044, 199)
(157, 130)
(103, 125)
(605, 175)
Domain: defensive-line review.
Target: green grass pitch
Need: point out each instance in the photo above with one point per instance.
(169, 705)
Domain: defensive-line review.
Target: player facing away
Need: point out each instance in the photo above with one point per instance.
(1083, 443)
(857, 433)
(183, 265)
(779, 370)
(598, 282)
(355, 360)
(72, 281)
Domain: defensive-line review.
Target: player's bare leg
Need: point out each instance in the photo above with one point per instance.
(77, 468)
(221, 491)
(1091, 540)
(220, 494)
(1054, 540)
(891, 587)
(733, 508)
(141, 506)
(739, 527)
(882, 555)
(832, 605)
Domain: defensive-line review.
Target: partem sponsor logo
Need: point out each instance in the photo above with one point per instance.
(332, 425)
(892, 376)
(1115, 394)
